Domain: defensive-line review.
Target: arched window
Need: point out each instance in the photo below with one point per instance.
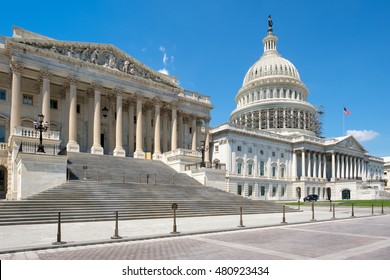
(250, 168)
(239, 166)
(261, 168)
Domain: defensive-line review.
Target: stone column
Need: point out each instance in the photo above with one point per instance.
(294, 166)
(90, 117)
(16, 97)
(131, 129)
(45, 74)
(72, 145)
(165, 130)
(309, 171)
(97, 147)
(303, 177)
(354, 168)
(320, 166)
(347, 167)
(338, 168)
(148, 127)
(194, 136)
(174, 128)
(342, 168)
(119, 151)
(157, 129)
(139, 152)
(325, 176)
(180, 127)
(207, 143)
(315, 175)
(333, 167)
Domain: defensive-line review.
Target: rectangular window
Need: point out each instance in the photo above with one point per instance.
(262, 190)
(282, 172)
(78, 109)
(27, 99)
(2, 134)
(282, 155)
(53, 104)
(250, 150)
(273, 171)
(216, 148)
(273, 154)
(239, 148)
(2, 94)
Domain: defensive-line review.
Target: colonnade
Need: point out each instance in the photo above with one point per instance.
(328, 166)
(168, 119)
(278, 118)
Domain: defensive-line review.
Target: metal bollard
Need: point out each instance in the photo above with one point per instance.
(155, 178)
(382, 212)
(59, 242)
(284, 215)
(330, 205)
(174, 207)
(147, 178)
(372, 209)
(334, 211)
(123, 177)
(241, 221)
(299, 205)
(116, 232)
(97, 176)
(312, 212)
(353, 212)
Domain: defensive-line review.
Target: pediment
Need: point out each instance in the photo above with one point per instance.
(349, 142)
(102, 55)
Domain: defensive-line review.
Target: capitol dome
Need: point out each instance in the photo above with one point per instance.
(273, 97)
(271, 64)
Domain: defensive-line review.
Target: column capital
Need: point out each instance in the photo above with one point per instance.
(16, 67)
(72, 80)
(45, 74)
(117, 92)
(97, 85)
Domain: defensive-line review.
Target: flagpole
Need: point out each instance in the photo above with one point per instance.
(343, 124)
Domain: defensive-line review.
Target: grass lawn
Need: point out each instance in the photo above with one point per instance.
(357, 203)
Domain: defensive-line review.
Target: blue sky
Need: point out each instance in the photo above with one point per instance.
(340, 48)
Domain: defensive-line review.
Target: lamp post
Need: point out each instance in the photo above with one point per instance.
(203, 149)
(41, 127)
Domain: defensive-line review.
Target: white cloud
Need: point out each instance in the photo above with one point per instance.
(363, 135)
(163, 71)
(165, 59)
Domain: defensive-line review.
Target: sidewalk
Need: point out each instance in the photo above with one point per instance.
(33, 237)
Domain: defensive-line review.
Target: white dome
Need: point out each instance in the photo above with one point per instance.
(271, 64)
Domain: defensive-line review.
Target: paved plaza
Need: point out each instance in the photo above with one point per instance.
(263, 237)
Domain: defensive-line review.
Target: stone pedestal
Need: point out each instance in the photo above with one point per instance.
(119, 152)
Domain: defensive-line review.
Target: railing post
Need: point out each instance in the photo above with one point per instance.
(312, 212)
(116, 232)
(334, 211)
(241, 221)
(284, 215)
(174, 207)
(59, 242)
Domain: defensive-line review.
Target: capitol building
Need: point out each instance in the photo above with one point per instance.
(96, 99)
